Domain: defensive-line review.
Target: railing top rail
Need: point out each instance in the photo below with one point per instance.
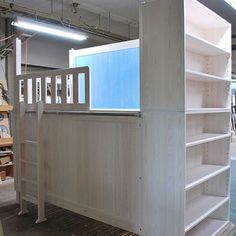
(52, 72)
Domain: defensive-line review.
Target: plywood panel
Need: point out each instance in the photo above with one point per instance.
(93, 165)
(163, 173)
(162, 70)
(163, 106)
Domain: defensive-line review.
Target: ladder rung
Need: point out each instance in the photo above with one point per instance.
(31, 199)
(29, 181)
(28, 162)
(28, 142)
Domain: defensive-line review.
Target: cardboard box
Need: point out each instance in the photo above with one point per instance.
(5, 160)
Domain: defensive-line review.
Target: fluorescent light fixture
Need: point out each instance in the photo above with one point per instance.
(48, 29)
(232, 3)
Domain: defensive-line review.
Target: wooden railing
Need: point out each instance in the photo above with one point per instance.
(60, 90)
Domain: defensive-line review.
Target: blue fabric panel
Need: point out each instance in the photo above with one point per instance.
(114, 77)
(82, 88)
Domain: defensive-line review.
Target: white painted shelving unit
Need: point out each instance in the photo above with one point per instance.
(208, 67)
(161, 172)
(186, 73)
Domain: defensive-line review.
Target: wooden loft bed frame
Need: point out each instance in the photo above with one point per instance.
(162, 171)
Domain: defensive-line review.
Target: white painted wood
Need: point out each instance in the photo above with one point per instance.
(207, 166)
(219, 185)
(163, 114)
(32, 180)
(215, 29)
(159, 54)
(201, 207)
(216, 65)
(210, 198)
(101, 49)
(202, 173)
(204, 138)
(62, 105)
(40, 165)
(197, 124)
(200, 46)
(214, 153)
(201, 14)
(207, 94)
(207, 110)
(222, 213)
(211, 227)
(203, 77)
(103, 156)
(131, 171)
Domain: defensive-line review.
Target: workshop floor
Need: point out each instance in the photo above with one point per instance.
(60, 221)
(7, 192)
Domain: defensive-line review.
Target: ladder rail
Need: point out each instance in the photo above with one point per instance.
(40, 166)
(40, 180)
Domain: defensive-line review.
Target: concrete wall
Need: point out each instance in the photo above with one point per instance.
(50, 51)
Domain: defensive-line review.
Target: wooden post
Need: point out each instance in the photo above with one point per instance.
(162, 106)
(21, 152)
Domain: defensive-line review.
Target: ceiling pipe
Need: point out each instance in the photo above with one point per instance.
(96, 34)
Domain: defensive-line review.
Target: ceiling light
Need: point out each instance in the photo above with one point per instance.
(48, 29)
(232, 3)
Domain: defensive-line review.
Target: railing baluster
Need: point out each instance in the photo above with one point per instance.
(53, 91)
(26, 91)
(63, 90)
(87, 89)
(43, 88)
(62, 101)
(34, 90)
(75, 90)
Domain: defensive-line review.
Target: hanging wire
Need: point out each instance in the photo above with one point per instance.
(52, 10)
(26, 52)
(129, 31)
(62, 9)
(26, 55)
(109, 22)
(1, 40)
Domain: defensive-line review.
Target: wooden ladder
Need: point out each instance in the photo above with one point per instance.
(38, 186)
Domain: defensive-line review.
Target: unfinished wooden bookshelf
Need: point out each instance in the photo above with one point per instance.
(186, 73)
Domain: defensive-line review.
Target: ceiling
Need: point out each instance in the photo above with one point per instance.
(121, 10)
(128, 9)
(125, 10)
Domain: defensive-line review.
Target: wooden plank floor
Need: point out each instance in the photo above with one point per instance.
(60, 222)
